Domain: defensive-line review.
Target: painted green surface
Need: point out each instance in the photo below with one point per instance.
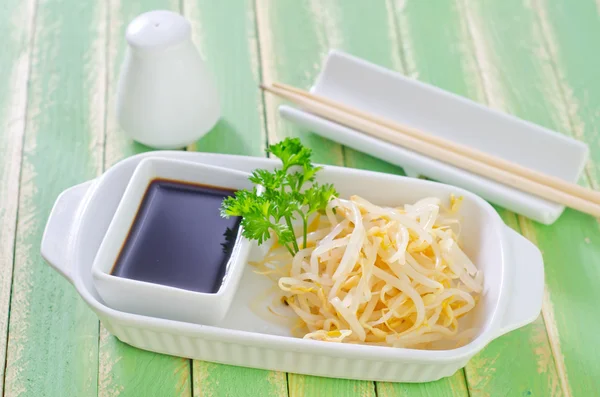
(333, 25)
(454, 386)
(122, 369)
(218, 380)
(520, 362)
(340, 29)
(301, 386)
(14, 69)
(295, 38)
(387, 32)
(572, 274)
(233, 60)
(531, 84)
(513, 54)
(532, 58)
(53, 337)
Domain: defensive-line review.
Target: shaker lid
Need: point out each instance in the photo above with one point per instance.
(157, 30)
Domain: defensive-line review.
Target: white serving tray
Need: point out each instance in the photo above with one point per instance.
(382, 92)
(512, 295)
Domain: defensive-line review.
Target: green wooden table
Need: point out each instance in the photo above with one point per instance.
(59, 63)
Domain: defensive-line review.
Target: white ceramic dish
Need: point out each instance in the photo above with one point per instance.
(157, 300)
(391, 95)
(512, 296)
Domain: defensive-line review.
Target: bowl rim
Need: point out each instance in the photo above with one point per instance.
(357, 351)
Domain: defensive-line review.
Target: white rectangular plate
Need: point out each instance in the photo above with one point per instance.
(512, 296)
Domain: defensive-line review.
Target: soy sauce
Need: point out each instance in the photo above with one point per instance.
(178, 237)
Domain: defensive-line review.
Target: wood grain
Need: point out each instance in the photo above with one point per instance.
(392, 51)
(292, 48)
(218, 380)
(124, 370)
(571, 246)
(15, 62)
(58, 72)
(525, 80)
(454, 386)
(342, 28)
(233, 61)
(294, 40)
(317, 386)
(458, 61)
(305, 32)
(53, 344)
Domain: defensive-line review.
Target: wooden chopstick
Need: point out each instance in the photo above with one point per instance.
(478, 164)
(498, 162)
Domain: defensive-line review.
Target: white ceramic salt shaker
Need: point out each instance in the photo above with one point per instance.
(166, 98)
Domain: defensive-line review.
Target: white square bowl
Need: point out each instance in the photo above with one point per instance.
(157, 300)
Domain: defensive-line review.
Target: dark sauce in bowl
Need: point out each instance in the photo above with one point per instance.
(178, 237)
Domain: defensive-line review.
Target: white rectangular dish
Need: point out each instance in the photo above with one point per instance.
(512, 295)
(371, 88)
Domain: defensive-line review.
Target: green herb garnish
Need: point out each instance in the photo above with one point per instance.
(284, 195)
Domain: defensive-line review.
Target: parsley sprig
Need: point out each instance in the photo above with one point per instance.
(280, 197)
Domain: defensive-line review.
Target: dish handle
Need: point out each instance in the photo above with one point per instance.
(525, 297)
(59, 228)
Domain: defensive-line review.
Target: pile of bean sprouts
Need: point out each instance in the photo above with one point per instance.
(378, 275)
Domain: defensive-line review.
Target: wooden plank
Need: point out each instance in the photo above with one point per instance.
(377, 26)
(293, 45)
(392, 51)
(454, 386)
(294, 40)
(380, 26)
(234, 64)
(127, 371)
(512, 61)
(15, 60)
(318, 386)
(441, 46)
(526, 88)
(233, 61)
(53, 344)
(567, 87)
(567, 31)
(219, 380)
(124, 370)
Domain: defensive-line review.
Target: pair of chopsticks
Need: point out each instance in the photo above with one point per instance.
(461, 156)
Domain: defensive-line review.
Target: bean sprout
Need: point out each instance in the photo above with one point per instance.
(379, 275)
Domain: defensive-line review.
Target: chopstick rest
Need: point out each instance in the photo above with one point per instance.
(454, 128)
(499, 170)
